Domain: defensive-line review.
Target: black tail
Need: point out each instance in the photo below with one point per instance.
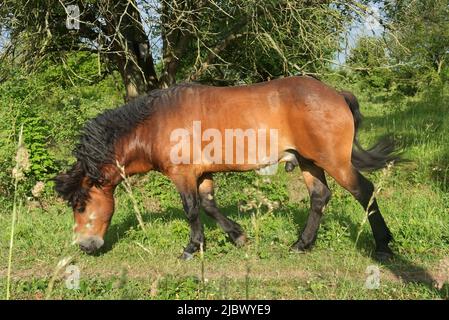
(378, 156)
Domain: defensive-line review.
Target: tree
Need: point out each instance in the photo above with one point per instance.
(369, 60)
(153, 43)
(422, 29)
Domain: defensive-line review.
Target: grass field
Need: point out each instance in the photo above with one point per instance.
(134, 264)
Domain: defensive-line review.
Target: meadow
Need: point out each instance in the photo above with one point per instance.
(138, 264)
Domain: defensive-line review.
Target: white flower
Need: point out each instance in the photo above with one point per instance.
(37, 189)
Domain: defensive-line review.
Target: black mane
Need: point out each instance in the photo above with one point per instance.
(97, 141)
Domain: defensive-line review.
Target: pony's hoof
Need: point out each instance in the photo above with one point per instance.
(240, 241)
(383, 256)
(383, 253)
(299, 247)
(186, 256)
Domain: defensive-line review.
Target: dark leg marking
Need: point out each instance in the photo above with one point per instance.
(382, 235)
(319, 196)
(232, 228)
(191, 207)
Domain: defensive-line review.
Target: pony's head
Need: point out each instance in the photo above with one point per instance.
(89, 185)
(92, 204)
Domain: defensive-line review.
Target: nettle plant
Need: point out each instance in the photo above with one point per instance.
(257, 204)
(42, 163)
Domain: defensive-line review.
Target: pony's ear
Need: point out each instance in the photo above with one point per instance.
(68, 184)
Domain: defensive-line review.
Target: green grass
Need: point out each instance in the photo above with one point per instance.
(144, 265)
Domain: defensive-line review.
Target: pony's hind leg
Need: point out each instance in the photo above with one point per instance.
(206, 192)
(363, 190)
(320, 194)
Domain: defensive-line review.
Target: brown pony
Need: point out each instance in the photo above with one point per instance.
(316, 130)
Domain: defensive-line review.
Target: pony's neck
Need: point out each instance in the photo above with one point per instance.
(133, 154)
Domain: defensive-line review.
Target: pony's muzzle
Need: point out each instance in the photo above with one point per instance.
(90, 244)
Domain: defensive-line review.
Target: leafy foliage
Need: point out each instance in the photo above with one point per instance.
(52, 105)
(370, 62)
(414, 50)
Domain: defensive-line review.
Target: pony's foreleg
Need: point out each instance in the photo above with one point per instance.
(187, 186)
(206, 192)
(320, 194)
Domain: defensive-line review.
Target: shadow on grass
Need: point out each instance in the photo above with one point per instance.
(118, 230)
(402, 267)
(421, 123)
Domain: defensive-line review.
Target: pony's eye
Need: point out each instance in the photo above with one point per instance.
(81, 209)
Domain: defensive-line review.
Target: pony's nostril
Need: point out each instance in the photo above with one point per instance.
(91, 244)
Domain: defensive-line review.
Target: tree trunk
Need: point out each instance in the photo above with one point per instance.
(440, 65)
(133, 56)
(138, 75)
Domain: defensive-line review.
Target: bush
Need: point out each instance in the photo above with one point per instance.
(52, 104)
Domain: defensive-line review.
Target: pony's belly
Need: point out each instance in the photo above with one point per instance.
(263, 166)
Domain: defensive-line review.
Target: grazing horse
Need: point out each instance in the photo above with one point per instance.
(315, 128)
